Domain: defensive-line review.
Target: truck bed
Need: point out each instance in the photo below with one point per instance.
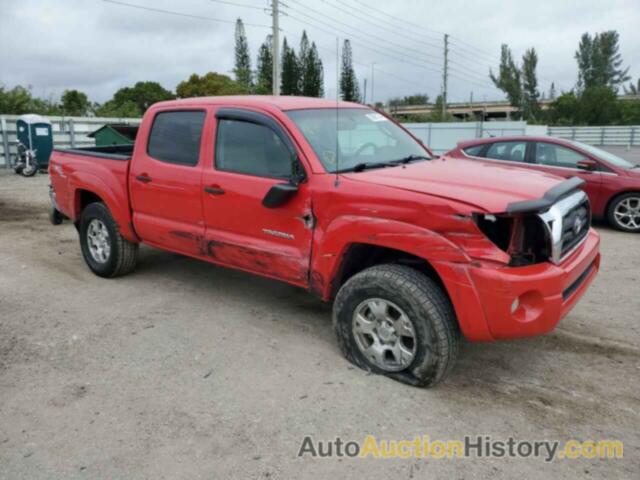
(102, 171)
(111, 152)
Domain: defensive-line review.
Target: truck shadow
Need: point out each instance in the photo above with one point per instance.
(541, 373)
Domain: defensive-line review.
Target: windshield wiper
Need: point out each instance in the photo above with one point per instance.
(359, 167)
(409, 159)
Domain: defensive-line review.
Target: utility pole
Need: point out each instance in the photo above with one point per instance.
(372, 99)
(445, 75)
(275, 16)
(364, 91)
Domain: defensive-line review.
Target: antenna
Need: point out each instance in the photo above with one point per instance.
(337, 182)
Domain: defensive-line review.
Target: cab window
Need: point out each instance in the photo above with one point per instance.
(252, 149)
(175, 137)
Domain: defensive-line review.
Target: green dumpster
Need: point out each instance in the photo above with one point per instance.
(35, 133)
(114, 134)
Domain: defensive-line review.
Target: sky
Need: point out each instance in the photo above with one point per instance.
(97, 46)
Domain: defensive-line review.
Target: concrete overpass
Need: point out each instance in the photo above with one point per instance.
(492, 110)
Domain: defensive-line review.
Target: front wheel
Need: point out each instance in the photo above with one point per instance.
(105, 251)
(624, 212)
(393, 320)
(29, 170)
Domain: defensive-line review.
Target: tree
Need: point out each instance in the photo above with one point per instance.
(598, 105)
(634, 89)
(19, 100)
(143, 94)
(563, 110)
(16, 101)
(111, 108)
(311, 70)
(436, 114)
(530, 93)
(264, 74)
(74, 103)
(349, 90)
(210, 84)
(242, 70)
(600, 61)
(508, 78)
(290, 82)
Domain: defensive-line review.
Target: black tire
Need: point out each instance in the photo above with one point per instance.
(123, 254)
(29, 172)
(55, 217)
(611, 213)
(426, 305)
(18, 168)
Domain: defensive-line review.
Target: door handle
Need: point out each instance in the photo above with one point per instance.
(144, 178)
(214, 190)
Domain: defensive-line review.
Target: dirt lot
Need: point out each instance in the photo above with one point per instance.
(187, 370)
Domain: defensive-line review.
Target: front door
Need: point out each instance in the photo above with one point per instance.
(165, 182)
(253, 153)
(562, 161)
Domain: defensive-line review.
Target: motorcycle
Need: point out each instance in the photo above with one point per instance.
(25, 162)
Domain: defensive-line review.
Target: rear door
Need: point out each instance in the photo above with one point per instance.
(562, 161)
(165, 182)
(252, 153)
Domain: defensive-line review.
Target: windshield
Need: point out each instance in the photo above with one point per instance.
(604, 155)
(348, 138)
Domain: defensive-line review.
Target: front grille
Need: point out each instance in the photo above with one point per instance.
(575, 226)
(567, 223)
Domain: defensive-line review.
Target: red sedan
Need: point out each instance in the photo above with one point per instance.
(612, 183)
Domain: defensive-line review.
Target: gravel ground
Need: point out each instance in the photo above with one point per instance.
(187, 370)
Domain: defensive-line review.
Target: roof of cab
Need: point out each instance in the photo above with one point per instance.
(282, 102)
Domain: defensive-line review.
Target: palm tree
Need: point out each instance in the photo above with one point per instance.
(633, 89)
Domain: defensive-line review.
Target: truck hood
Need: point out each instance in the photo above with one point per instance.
(486, 186)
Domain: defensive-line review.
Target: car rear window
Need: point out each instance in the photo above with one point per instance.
(175, 137)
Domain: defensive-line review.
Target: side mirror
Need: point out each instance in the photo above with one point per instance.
(587, 165)
(279, 194)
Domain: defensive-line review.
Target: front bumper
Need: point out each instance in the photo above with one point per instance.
(510, 302)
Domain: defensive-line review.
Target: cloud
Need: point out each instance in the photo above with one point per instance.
(98, 47)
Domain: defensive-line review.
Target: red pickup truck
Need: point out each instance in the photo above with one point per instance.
(413, 249)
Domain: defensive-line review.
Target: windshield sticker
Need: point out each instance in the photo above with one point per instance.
(376, 117)
(329, 157)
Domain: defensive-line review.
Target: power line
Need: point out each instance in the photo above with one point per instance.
(394, 54)
(401, 47)
(179, 14)
(383, 26)
(401, 20)
(242, 5)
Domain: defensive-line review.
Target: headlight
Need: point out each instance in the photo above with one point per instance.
(523, 237)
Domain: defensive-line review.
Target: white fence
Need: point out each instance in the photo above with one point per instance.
(440, 137)
(624, 136)
(68, 132)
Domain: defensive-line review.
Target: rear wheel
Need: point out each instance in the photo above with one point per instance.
(393, 320)
(105, 251)
(624, 212)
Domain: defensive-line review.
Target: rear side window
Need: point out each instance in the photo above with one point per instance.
(474, 151)
(175, 137)
(252, 149)
(508, 151)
